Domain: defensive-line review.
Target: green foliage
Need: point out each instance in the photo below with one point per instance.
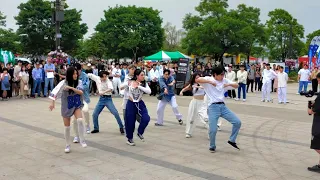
(9, 41)
(217, 31)
(38, 33)
(2, 19)
(92, 47)
(280, 25)
(130, 31)
(293, 75)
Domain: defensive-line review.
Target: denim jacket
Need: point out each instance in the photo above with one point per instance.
(163, 83)
(86, 86)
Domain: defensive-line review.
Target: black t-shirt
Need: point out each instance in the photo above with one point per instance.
(316, 117)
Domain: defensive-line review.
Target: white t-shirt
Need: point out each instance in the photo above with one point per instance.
(216, 93)
(115, 72)
(304, 74)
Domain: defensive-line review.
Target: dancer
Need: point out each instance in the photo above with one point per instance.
(167, 96)
(70, 91)
(282, 85)
(135, 106)
(105, 89)
(86, 100)
(215, 88)
(195, 104)
(267, 74)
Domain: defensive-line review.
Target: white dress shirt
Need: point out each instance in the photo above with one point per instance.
(154, 74)
(231, 76)
(282, 79)
(242, 76)
(268, 75)
(102, 86)
(115, 72)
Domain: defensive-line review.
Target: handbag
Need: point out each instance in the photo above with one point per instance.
(25, 88)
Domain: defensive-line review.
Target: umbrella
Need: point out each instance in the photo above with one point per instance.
(167, 56)
(23, 60)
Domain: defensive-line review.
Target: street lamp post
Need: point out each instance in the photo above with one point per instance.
(57, 18)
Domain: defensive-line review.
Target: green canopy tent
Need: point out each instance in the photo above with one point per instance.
(6, 57)
(167, 56)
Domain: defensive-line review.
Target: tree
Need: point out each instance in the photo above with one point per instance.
(2, 19)
(309, 39)
(131, 31)
(173, 37)
(253, 35)
(283, 28)
(37, 31)
(218, 31)
(8, 38)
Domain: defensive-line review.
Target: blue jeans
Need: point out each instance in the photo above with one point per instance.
(46, 84)
(105, 101)
(220, 110)
(303, 84)
(243, 87)
(36, 87)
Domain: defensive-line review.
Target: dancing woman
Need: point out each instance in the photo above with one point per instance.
(70, 91)
(195, 104)
(135, 105)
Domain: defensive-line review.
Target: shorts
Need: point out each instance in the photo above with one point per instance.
(315, 142)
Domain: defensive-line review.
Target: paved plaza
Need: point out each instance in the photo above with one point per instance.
(274, 141)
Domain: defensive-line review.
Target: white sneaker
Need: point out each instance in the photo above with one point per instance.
(67, 149)
(76, 140)
(237, 99)
(88, 130)
(83, 144)
(263, 100)
(219, 129)
(298, 94)
(188, 136)
(244, 100)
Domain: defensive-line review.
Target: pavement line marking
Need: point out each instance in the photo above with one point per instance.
(146, 159)
(225, 131)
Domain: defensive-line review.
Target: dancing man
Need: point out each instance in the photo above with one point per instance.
(105, 89)
(267, 74)
(86, 100)
(135, 106)
(167, 97)
(70, 91)
(215, 88)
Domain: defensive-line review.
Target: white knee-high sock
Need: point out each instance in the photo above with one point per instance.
(81, 129)
(75, 127)
(86, 118)
(67, 134)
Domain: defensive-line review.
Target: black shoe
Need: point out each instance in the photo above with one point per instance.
(157, 124)
(212, 150)
(315, 168)
(233, 145)
(94, 131)
(122, 131)
(180, 121)
(130, 142)
(141, 137)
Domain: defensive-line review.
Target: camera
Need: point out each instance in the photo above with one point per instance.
(309, 94)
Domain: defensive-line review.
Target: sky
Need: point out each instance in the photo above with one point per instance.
(173, 11)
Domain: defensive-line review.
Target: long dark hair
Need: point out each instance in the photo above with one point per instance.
(69, 78)
(193, 80)
(137, 72)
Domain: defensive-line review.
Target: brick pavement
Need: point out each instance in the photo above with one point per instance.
(274, 142)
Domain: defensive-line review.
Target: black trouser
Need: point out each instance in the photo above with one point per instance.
(232, 92)
(153, 87)
(314, 85)
(272, 89)
(250, 81)
(93, 87)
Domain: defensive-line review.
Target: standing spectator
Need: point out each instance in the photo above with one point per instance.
(29, 69)
(274, 68)
(116, 73)
(314, 79)
(49, 70)
(208, 69)
(242, 76)
(251, 77)
(275, 83)
(37, 78)
(282, 85)
(303, 78)
(11, 72)
(257, 82)
(62, 72)
(16, 79)
(155, 75)
(94, 85)
(231, 75)
(5, 84)
(24, 82)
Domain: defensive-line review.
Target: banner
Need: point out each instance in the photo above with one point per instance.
(183, 69)
(313, 47)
